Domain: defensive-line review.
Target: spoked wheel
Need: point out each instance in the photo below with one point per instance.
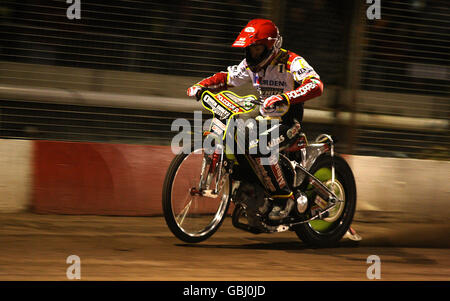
(191, 215)
(328, 231)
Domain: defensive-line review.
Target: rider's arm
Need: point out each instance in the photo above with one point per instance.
(215, 83)
(235, 76)
(310, 84)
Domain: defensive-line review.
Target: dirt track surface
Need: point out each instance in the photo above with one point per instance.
(35, 247)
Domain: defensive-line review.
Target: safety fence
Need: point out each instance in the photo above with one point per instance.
(404, 70)
(168, 37)
(144, 120)
(61, 177)
(388, 69)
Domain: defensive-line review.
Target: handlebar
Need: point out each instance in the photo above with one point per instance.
(200, 92)
(257, 102)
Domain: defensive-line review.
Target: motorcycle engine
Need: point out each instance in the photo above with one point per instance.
(253, 200)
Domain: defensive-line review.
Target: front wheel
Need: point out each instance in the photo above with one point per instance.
(193, 217)
(328, 231)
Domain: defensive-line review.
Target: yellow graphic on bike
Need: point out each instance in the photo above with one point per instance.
(224, 106)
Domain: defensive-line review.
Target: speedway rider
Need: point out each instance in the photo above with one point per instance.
(284, 81)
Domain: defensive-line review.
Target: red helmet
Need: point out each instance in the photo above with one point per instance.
(262, 32)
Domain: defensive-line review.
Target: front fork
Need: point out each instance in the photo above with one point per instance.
(212, 167)
(215, 168)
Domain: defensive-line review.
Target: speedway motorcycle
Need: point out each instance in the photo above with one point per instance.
(201, 184)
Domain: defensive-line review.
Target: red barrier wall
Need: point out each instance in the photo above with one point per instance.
(98, 178)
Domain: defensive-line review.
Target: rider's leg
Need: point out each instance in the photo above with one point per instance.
(267, 167)
(273, 179)
(271, 175)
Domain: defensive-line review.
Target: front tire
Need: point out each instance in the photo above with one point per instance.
(192, 219)
(329, 231)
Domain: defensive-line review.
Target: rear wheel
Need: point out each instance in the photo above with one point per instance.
(191, 216)
(328, 231)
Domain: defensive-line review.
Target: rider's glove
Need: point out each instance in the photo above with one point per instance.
(275, 106)
(194, 91)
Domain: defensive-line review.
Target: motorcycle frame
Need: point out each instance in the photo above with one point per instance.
(323, 144)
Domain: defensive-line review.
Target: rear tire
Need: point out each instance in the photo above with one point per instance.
(323, 233)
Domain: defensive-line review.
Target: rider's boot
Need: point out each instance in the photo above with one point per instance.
(282, 209)
(272, 176)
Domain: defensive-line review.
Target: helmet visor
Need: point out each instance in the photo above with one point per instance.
(256, 54)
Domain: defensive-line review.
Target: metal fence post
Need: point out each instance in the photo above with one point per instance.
(353, 70)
